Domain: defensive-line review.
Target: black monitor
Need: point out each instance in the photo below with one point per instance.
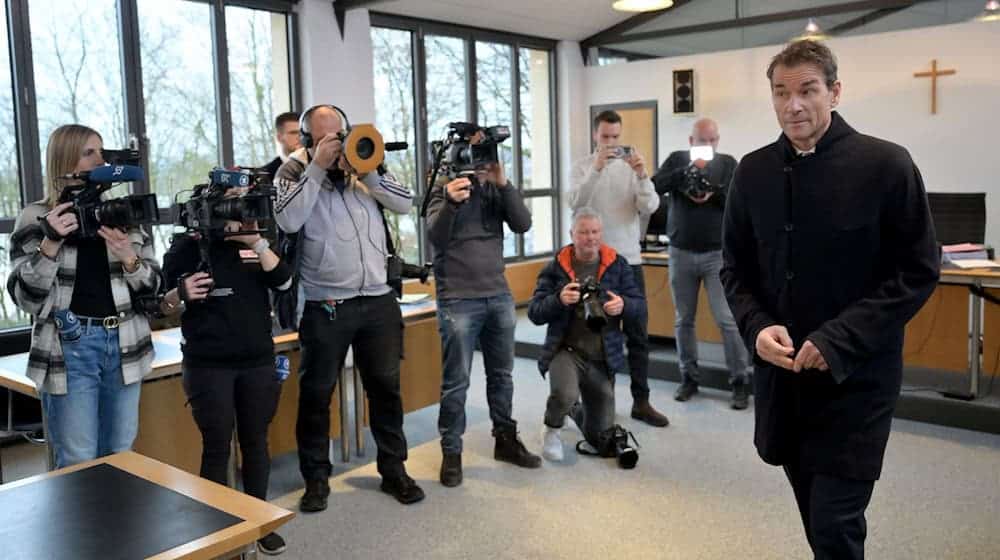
(958, 217)
(656, 232)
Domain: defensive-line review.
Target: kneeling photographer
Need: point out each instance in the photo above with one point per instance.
(78, 261)
(465, 216)
(697, 181)
(584, 295)
(222, 270)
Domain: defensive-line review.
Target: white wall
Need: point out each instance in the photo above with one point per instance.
(956, 150)
(335, 70)
(573, 134)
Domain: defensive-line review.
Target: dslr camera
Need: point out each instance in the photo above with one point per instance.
(593, 310)
(696, 183)
(462, 158)
(92, 211)
(208, 209)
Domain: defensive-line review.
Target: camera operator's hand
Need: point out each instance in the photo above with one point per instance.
(196, 286)
(458, 190)
(62, 223)
(775, 346)
(615, 304)
(120, 246)
(601, 156)
(248, 239)
(328, 151)
(495, 175)
(638, 164)
(570, 293)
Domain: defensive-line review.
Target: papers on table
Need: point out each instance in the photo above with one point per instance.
(975, 263)
(413, 298)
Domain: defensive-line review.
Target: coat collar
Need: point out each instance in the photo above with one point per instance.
(565, 259)
(838, 130)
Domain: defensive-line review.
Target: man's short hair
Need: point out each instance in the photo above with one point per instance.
(610, 117)
(282, 119)
(583, 213)
(806, 51)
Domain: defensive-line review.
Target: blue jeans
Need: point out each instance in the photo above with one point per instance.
(98, 415)
(687, 271)
(461, 323)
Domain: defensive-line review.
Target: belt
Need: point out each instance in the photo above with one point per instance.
(109, 322)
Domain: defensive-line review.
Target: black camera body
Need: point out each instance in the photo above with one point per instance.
(128, 211)
(397, 270)
(593, 309)
(460, 157)
(208, 209)
(696, 182)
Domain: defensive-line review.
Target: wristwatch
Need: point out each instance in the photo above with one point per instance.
(260, 246)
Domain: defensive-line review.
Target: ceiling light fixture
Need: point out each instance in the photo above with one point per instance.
(991, 12)
(641, 5)
(812, 32)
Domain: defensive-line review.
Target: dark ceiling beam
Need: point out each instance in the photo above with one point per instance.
(340, 8)
(630, 55)
(606, 36)
(865, 19)
(803, 14)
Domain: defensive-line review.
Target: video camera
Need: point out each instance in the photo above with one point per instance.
(462, 158)
(208, 209)
(593, 310)
(92, 212)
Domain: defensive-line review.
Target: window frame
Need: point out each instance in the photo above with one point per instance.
(29, 154)
(420, 29)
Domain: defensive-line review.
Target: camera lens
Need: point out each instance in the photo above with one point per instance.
(366, 148)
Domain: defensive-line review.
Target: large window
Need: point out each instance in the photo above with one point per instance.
(395, 118)
(470, 75)
(189, 109)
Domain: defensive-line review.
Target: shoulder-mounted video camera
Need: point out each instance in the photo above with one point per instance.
(459, 156)
(208, 209)
(92, 212)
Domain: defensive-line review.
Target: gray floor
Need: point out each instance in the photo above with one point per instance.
(699, 491)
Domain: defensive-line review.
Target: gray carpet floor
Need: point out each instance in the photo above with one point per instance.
(699, 491)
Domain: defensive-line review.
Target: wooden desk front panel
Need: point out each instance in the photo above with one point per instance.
(420, 370)
(660, 303)
(938, 335)
(521, 277)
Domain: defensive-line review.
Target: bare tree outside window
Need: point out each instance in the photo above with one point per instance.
(394, 117)
(495, 93)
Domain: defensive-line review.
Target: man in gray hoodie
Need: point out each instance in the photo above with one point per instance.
(342, 279)
(465, 219)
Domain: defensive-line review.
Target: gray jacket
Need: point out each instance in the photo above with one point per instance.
(343, 245)
(468, 239)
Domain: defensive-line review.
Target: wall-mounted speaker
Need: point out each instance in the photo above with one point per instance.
(683, 91)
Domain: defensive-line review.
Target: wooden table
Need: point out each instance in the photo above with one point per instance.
(953, 333)
(256, 518)
(167, 431)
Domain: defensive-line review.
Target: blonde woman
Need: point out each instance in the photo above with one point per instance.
(89, 348)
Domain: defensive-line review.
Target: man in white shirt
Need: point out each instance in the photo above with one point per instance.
(614, 181)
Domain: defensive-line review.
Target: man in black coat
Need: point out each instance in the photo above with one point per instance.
(828, 251)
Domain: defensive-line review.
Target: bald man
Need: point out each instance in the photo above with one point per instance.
(697, 181)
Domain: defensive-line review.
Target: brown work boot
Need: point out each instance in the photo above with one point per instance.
(642, 410)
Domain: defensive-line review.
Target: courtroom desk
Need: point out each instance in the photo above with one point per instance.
(521, 277)
(168, 514)
(660, 302)
(168, 433)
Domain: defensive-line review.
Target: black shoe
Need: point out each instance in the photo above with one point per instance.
(509, 449)
(642, 410)
(403, 488)
(315, 497)
(272, 544)
(451, 469)
(686, 391)
(741, 395)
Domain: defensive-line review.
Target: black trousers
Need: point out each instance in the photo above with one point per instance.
(220, 396)
(637, 342)
(833, 512)
(373, 326)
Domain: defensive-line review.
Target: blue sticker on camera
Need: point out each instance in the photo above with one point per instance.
(68, 324)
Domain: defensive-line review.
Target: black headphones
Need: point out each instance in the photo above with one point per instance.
(305, 134)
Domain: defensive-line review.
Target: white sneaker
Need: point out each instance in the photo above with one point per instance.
(552, 446)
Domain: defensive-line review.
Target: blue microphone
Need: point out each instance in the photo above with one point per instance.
(234, 178)
(107, 174)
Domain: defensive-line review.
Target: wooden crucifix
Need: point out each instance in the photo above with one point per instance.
(933, 75)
